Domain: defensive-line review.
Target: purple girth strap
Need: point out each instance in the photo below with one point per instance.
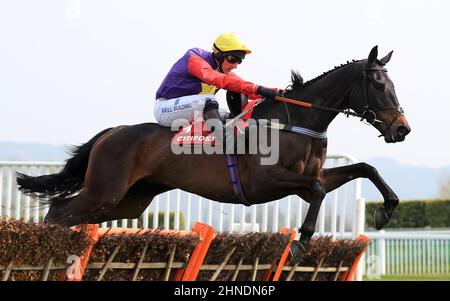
(233, 172)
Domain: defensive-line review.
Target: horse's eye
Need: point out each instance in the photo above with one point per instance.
(380, 86)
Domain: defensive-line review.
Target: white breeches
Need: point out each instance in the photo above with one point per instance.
(186, 107)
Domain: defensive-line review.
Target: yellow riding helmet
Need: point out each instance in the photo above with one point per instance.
(229, 41)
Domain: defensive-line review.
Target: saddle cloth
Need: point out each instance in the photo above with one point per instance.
(197, 134)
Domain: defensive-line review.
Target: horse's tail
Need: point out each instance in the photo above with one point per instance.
(61, 185)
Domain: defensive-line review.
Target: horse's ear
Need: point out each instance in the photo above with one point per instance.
(373, 55)
(386, 59)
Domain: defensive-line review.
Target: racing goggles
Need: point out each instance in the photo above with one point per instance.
(233, 59)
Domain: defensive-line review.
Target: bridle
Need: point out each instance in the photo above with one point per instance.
(368, 115)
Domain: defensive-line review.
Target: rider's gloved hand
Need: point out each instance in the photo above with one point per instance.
(267, 92)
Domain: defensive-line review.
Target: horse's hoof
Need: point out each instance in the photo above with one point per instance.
(381, 218)
(297, 250)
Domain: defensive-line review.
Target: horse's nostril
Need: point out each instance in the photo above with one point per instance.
(403, 130)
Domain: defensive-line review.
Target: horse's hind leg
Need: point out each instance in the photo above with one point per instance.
(137, 199)
(82, 208)
(104, 188)
(314, 198)
(111, 171)
(336, 177)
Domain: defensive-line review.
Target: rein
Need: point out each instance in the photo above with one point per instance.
(368, 115)
(347, 112)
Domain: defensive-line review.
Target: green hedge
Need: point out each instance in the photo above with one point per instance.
(414, 214)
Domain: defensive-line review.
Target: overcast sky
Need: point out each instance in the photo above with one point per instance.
(69, 69)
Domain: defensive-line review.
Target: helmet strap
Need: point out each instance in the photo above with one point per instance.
(220, 58)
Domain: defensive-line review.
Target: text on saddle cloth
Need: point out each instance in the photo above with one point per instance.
(197, 134)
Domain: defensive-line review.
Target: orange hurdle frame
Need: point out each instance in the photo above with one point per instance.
(283, 258)
(348, 276)
(205, 232)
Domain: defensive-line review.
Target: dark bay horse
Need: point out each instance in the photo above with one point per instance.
(119, 171)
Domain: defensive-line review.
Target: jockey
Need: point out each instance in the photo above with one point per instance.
(188, 90)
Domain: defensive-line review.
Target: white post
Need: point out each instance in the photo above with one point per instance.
(288, 213)
(334, 214)
(9, 194)
(167, 212)
(156, 213)
(187, 226)
(27, 199)
(254, 225)
(210, 210)
(359, 229)
(275, 216)
(299, 212)
(231, 217)
(242, 219)
(343, 202)
(177, 211)
(265, 217)
(27, 208)
(18, 207)
(322, 217)
(1, 190)
(381, 247)
(359, 212)
(145, 218)
(221, 208)
(199, 209)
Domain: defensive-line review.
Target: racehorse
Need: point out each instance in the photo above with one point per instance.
(118, 172)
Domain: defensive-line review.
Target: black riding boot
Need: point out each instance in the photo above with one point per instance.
(210, 112)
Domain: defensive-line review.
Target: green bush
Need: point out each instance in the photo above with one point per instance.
(414, 214)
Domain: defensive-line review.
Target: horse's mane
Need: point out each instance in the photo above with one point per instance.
(297, 79)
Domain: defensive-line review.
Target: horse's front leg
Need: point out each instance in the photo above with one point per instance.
(336, 177)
